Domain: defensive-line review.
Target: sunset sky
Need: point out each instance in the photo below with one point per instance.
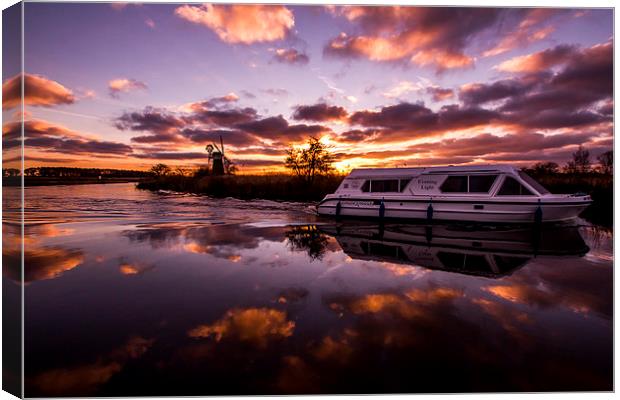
(130, 85)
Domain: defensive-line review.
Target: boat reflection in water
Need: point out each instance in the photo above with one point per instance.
(490, 251)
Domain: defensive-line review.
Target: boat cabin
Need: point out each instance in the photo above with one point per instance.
(487, 180)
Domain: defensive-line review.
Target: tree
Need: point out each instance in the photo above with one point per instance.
(310, 162)
(606, 160)
(182, 171)
(580, 162)
(544, 168)
(160, 170)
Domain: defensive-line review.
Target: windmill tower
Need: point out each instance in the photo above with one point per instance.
(218, 159)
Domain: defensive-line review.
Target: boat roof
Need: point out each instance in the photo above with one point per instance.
(448, 169)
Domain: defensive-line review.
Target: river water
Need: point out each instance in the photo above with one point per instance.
(129, 292)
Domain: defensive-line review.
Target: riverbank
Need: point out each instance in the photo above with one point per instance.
(289, 188)
(247, 187)
(51, 181)
(600, 187)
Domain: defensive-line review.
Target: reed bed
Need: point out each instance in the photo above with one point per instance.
(270, 187)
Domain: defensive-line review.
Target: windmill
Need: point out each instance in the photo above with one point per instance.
(220, 163)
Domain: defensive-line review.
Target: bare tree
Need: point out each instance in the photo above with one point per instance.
(160, 170)
(182, 171)
(580, 162)
(311, 161)
(606, 160)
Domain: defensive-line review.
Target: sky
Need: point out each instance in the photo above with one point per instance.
(122, 85)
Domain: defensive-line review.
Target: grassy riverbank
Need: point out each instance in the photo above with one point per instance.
(289, 188)
(271, 187)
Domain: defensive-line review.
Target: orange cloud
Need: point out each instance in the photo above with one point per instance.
(253, 325)
(84, 379)
(244, 24)
(408, 305)
(127, 268)
(38, 91)
(40, 263)
(42, 136)
(442, 59)
(538, 61)
(411, 34)
(531, 29)
(124, 85)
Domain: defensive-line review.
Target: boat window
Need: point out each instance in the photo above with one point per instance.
(530, 181)
(511, 187)
(508, 263)
(481, 183)
(455, 183)
(384, 185)
(451, 260)
(383, 250)
(476, 263)
(463, 262)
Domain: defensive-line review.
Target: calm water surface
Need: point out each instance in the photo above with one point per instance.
(137, 293)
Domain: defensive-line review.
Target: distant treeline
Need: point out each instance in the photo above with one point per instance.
(70, 172)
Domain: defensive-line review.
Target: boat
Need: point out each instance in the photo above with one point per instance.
(485, 250)
(482, 193)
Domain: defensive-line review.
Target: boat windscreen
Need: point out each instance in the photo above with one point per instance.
(530, 181)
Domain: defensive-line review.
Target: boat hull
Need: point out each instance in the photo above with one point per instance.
(482, 210)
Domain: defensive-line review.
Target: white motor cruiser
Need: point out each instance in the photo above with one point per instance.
(488, 193)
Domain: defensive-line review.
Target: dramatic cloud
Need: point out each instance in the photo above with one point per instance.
(244, 24)
(407, 121)
(565, 98)
(149, 120)
(479, 93)
(320, 112)
(398, 117)
(231, 137)
(290, 56)
(539, 61)
(38, 91)
(359, 135)
(217, 102)
(532, 26)
(165, 155)
(278, 129)
(491, 148)
(440, 94)
(124, 85)
(485, 144)
(412, 35)
(225, 118)
(44, 136)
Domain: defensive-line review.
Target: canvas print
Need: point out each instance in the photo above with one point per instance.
(210, 199)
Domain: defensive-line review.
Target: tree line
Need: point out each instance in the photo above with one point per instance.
(73, 172)
(579, 164)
